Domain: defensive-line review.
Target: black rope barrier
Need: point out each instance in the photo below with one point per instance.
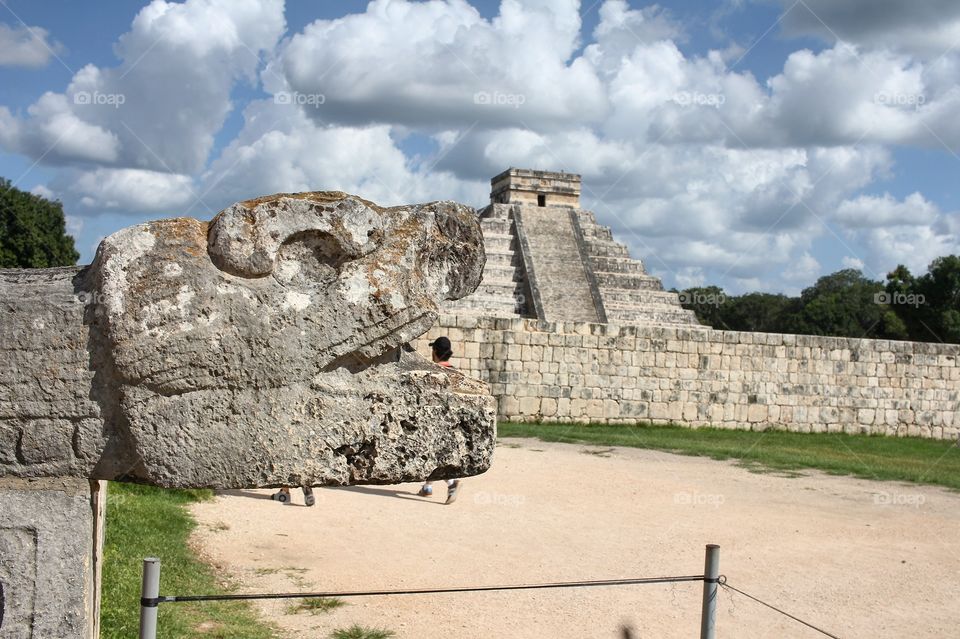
(724, 584)
(151, 599)
(422, 591)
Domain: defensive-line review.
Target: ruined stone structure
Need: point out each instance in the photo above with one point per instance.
(549, 259)
(264, 348)
(566, 326)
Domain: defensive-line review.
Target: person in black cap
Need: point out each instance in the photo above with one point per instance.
(441, 354)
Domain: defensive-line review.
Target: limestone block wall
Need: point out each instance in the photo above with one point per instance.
(608, 373)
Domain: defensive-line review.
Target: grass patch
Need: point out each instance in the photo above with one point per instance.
(359, 632)
(143, 521)
(316, 606)
(909, 459)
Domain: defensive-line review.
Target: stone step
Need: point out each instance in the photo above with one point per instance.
(485, 304)
(586, 217)
(508, 291)
(498, 242)
(606, 279)
(503, 258)
(486, 312)
(638, 297)
(655, 316)
(495, 226)
(595, 231)
(617, 264)
(496, 212)
(658, 306)
(606, 248)
(502, 273)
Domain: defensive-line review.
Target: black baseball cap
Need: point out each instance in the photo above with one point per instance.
(441, 346)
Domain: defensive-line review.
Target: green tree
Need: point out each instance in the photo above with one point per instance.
(928, 305)
(950, 326)
(32, 231)
(937, 300)
(844, 304)
(706, 302)
(757, 312)
(900, 280)
(902, 286)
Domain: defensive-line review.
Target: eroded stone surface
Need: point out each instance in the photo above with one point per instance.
(260, 349)
(46, 548)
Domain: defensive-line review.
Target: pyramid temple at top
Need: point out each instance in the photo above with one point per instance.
(549, 259)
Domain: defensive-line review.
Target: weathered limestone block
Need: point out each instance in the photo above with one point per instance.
(263, 348)
(50, 539)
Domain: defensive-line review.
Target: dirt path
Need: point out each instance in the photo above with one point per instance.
(859, 558)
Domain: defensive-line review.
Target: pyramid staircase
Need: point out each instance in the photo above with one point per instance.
(629, 294)
(503, 291)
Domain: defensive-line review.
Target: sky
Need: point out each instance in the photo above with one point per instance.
(750, 144)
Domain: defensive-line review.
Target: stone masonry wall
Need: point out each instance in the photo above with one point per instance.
(607, 373)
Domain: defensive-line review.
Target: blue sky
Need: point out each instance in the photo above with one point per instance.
(752, 144)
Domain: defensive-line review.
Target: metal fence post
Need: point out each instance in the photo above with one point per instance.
(149, 593)
(711, 571)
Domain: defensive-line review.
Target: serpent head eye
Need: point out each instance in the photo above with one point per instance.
(310, 260)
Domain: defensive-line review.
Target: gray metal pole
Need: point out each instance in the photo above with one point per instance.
(711, 571)
(149, 591)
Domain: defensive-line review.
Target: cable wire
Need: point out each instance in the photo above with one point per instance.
(425, 591)
(724, 584)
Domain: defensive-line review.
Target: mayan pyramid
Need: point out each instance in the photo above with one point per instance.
(547, 258)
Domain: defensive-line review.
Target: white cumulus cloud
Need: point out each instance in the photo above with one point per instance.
(160, 108)
(848, 261)
(25, 46)
(872, 211)
(281, 149)
(132, 190)
(440, 64)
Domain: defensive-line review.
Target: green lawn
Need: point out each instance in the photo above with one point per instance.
(143, 521)
(911, 459)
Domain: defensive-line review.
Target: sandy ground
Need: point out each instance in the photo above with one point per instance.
(859, 558)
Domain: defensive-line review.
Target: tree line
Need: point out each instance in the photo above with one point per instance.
(924, 308)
